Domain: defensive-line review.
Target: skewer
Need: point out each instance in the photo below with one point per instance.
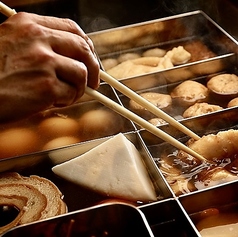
(141, 122)
(146, 104)
(4, 9)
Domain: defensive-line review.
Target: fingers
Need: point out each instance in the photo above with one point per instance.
(61, 24)
(65, 25)
(76, 65)
(75, 48)
(68, 39)
(71, 74)
(66, 95)
(51, 22)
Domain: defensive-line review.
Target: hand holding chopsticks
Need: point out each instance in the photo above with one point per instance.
(128, 114)
(45, 62)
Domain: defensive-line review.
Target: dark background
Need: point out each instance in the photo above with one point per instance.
(94, 15)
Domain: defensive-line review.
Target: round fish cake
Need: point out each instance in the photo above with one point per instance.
(190, 92)
(224, 84)
(200, 109)
(157, 121)
(161, 101)
(233, 103)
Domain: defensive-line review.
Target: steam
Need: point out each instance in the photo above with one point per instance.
(179, 6)
(98, 23)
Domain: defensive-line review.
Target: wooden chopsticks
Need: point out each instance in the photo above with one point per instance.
(4, 9)
(143, 102)
(141, 122)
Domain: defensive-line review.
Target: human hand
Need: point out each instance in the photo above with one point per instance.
(44, 62)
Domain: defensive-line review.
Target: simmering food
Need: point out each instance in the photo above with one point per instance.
(185, 173)
(114, 169)
(35, 197)
(134, 65)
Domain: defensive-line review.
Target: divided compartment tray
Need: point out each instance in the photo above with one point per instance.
(169, 211)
